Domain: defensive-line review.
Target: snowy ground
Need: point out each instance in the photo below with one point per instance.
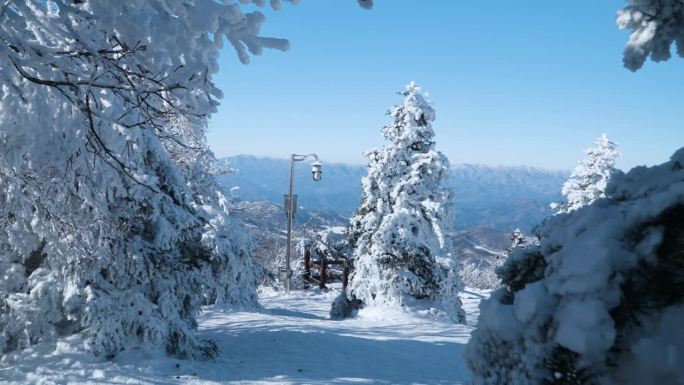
(289, 341)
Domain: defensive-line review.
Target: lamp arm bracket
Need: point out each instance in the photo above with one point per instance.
(299, 158)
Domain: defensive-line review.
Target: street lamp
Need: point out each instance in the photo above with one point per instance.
(316, 173)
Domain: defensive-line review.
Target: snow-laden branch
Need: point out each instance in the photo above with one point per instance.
(656, 25)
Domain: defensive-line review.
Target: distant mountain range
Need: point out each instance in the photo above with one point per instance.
(497, 197)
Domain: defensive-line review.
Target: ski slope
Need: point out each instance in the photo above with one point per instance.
(289, 341)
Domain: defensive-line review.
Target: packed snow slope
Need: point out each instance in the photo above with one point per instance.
(289, 341)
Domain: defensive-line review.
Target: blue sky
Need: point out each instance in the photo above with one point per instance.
(513, 83)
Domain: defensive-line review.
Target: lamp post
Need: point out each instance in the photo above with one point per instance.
(316, 173)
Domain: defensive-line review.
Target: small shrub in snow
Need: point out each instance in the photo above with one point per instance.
(601, 299)
(343, 307)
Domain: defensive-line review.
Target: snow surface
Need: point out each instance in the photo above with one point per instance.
(289, 341)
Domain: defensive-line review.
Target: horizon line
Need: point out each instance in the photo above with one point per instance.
(451, 164)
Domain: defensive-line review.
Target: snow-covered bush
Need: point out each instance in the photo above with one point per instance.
(656, 25)
(329, 243)
(446, 298)
(482, 273)
(589, 179)
(398, 231)
(344, 307)
(296, 262)
(601, 299)
(111, 225)
(321, 244)
(230, 275)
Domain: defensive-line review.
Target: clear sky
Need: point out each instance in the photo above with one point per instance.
(513, 83)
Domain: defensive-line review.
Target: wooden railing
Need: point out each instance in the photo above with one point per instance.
(325, 275)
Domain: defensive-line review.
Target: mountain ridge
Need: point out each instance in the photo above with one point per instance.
(498, 197)
(492, 166)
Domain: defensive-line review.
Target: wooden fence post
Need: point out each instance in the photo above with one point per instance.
(307, 264)
(323, 273)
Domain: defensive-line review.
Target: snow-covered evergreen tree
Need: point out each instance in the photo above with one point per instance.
(111, 224)
(589, 179)
(230, 275)
(518, 240)
(656, 25)
(600, 300)
(398, 231)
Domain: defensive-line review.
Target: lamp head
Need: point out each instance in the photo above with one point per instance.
(316, 171)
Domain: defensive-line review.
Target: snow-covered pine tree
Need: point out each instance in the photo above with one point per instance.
(656, 25)
(398, 231)
(231, 277)
(518, 240)
(600, 300)
(110, 224)
(589, 179)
